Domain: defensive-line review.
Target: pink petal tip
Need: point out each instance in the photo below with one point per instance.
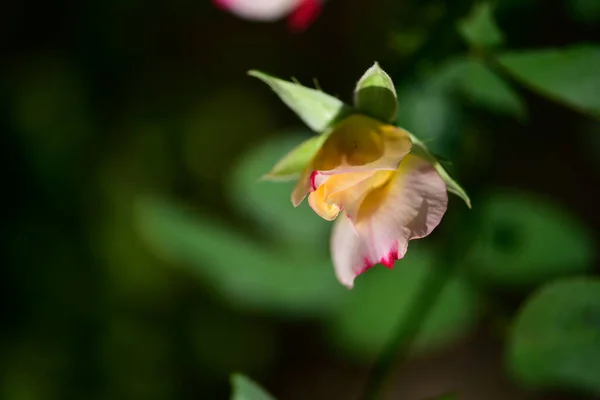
(304, 15)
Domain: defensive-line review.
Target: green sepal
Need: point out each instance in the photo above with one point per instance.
(294, 162)
(375, 95)
(420, 149)
(317, 109)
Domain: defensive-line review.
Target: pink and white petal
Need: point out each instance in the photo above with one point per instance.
(259, 10)
(345, 251)
(408, 207)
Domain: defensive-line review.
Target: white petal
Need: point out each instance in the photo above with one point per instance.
(344, 251)
(259, 10)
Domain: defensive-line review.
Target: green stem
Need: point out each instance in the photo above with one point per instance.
(455, 248)
(398, 348)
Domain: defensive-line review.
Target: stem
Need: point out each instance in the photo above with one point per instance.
(455, 248)
(399, 346)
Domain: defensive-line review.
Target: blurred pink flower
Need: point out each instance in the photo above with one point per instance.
(300, 13)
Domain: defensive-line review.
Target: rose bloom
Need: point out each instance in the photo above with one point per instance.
(379, 194)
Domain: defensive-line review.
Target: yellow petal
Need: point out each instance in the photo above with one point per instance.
(325, 210)
(356, 144)
(351, 197)
(360, 143)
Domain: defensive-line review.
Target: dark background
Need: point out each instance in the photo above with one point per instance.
(142, 259)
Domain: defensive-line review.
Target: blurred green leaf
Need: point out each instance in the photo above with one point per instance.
(380, 300)
(246, 389)
(585, 11)
(556, 338)
(243, 272)
(375, 94)
(527, 239)
(569, 75)
(479, 28)
(317, 109)
(479, 84)
(420, 149)
(269, 202)
(294, 162)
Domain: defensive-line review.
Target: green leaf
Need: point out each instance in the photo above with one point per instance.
(269, 202)
(294, 162)
(420, 149)
(479, 84)
(569, 75)
(316, 108)
(555, 342)
(526, 239)
(370, 313)
(243, 272)
(479, 28)
(246, 389)
(375, 95)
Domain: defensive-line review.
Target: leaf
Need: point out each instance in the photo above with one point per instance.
(420, 149)
(479, 84)
(269, 202)
(479, 28)
(317, 109)
(246, 389)
(375, 95)
(569, 75)
(294, 162)
(243, 272)
(380, 300)
(555, 342)
(526, 239)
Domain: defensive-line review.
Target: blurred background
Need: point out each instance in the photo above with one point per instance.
(143, 260)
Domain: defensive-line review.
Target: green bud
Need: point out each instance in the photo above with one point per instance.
(375, 95)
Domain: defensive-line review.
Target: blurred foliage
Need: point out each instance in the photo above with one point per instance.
(145, 258)
(479, 28)
(358, 327)
(567, 75)
(555, 339)
(526, 240)
(246, 389)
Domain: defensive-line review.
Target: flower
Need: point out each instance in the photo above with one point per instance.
(301, 13)
(387, 196)
(387, 186)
